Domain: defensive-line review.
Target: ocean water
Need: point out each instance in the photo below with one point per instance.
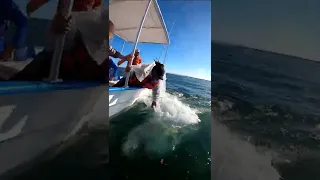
(266, 115)
(171, 141)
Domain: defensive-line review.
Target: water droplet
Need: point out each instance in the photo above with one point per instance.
(161, 161)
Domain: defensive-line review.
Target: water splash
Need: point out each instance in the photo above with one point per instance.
(235, 159)
(171, 108)
(164, 129)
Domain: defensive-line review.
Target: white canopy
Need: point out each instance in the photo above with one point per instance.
(127, 15)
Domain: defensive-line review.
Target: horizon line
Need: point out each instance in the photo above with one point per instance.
(183, 75)
(278, 53)
(189, 76)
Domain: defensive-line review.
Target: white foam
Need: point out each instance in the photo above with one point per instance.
(171, 108)
(160, 133)
(235, 159)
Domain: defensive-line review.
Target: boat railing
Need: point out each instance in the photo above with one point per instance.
(59, 44)
(136, 42)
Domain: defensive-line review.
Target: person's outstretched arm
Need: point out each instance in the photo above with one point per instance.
(124, 59)
(155, 95)
(114, 53)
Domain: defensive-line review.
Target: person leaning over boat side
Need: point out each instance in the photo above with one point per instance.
(10, 12)
(136, 60)
(78, 5)
(79, 59)
(151, 81)
(113, 53)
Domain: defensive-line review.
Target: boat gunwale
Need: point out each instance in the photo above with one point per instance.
(22, 87)
(116, 89)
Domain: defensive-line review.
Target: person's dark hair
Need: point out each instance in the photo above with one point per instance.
(111, 26)
(159, 69)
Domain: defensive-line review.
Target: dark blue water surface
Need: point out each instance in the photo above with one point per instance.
(271, 101)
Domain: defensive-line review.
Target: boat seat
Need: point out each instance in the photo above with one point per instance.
(10, 68)
(112, 83)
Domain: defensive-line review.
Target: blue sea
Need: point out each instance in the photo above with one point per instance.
(168, 142)
(266, 115)
(171, 141)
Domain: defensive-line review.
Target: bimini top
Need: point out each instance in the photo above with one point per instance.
(127, 15)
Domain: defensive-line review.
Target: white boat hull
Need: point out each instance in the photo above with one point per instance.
(31, 123)
(122, 98)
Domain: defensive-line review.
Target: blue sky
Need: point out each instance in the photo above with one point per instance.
(287, 26)
(190, 50)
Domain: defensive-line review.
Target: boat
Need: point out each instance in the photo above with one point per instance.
(37, 119)
(142, 22)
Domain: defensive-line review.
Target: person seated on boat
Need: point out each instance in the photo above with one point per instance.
(136, 60)
(83, 57)
(151, 80)
(10, 12)
(78, 5)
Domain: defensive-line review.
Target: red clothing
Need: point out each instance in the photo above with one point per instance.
(78, 65)
(147, 82)
(84, 5)
(136, 60)
(78, 5)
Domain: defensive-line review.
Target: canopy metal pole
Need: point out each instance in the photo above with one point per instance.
(165, 56)
(166, 47)
(111, 40)
(59, 43)
(137, 40)
(124, 42)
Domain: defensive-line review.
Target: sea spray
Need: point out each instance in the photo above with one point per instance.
(235, 159)
(171, 120)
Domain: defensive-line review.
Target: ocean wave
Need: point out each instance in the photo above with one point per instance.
(271, 128)
(235, 159)
(164, 128)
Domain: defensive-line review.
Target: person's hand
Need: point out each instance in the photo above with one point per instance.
(111, 79)
(61, 24)
(154, 104)
(128, 69)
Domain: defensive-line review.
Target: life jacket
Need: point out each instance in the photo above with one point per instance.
(136, 60)
(147, 82)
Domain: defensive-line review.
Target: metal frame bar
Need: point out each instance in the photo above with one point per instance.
(137, 40)
(59, 44)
